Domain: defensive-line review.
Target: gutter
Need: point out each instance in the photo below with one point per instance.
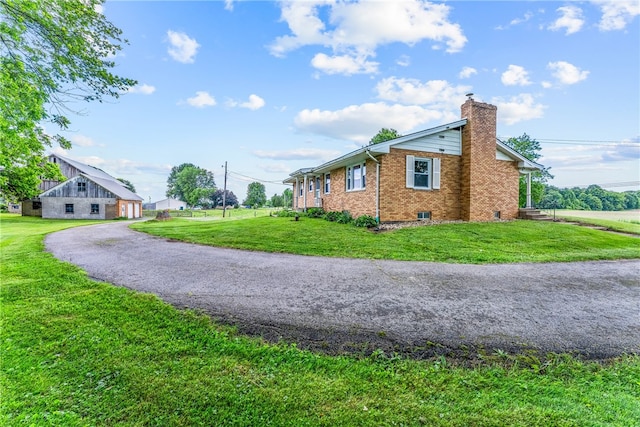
(377, 185)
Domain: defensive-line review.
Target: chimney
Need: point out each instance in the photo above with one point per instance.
(478, 160)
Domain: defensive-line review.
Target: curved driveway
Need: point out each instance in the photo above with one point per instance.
(591, 308)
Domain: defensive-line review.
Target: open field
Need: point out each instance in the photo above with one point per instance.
(624, 221)
(472, 243)
(77, 352)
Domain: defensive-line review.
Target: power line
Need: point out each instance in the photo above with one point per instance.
(580, 142)
(257, 179)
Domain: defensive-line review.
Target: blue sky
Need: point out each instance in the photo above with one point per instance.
(271, 87)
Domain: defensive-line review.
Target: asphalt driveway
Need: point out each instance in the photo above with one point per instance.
(338, 305)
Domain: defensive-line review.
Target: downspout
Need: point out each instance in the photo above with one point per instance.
(377, 185)
(529, 191)
(304, 195)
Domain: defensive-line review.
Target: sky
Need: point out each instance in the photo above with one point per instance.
(272, 87)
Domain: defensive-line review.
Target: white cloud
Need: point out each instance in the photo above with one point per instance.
(622, 151)
(297, 154)
(278, 168)
(201, 100)
(343, 64)
(616, 15)
(467, 72)
(571, 20)
(359, 123)
(81, 141)
(143, 89)
(527, 16)
(254, 103)
(228, 5)
(566, 73)
(438, 94)
(403, 61)
(356, 29)
(182, 47)
(518, 108)
(515, 76)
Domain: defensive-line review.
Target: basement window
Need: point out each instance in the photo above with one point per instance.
(68, 208)
(496, 214)
(424, 216)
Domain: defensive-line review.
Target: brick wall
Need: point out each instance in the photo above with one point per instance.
(399, 203)
(480, 183)
(357, 202)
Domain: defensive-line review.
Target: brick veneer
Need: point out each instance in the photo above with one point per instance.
(473, 186)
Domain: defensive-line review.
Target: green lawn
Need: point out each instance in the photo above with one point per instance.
(76, 352)
(622, 221)
(496, 242)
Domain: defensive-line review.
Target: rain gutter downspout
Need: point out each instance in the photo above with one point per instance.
(377, 185)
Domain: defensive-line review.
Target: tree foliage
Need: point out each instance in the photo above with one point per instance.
(593, 198)
(128, 184)
(230, 199)
(52, 53)
(530, 148)
(384, 135)
(256, 195)
(191, 184)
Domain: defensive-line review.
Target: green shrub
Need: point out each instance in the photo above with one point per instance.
(286, 213)
(365, 221)
(344, 217)
(332, 216)
(315, 212)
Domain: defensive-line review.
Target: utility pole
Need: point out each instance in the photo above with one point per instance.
(224, 193)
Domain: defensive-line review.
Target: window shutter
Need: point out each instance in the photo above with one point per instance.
(436, 174)
(410, 166)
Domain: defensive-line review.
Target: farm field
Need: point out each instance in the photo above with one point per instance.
(623, 221)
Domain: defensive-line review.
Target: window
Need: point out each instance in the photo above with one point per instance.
(36, 205)
(424, 215)
(310, 185)
(356, 177)
(496, 214)
(95, 208)
(327, 183)
(68, 208)
(423, 173)
(82, 186)
(301, 188)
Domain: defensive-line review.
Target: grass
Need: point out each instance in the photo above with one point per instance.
(76, 352)
(477, 243)
(216, 214)
(624, 221)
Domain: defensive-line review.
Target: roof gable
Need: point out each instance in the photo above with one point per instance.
(118, 190)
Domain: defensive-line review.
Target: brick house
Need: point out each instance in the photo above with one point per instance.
(456, 171)
(88, 193)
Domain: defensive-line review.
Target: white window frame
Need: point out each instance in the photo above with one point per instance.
(327, 183)
(356, 171)
(433, 175)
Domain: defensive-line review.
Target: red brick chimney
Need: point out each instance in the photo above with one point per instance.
(478, 161)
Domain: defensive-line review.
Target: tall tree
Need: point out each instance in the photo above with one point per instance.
(383, 135)
(530, 148)
(230, 198)
(172, 190)
(276, 201)
(256, 195)
(194, 186)
(52, 53)
(287, 198)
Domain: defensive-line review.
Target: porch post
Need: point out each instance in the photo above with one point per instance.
(529, 204)
(304, 195)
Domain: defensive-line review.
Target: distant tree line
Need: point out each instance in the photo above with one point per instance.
(592, 198)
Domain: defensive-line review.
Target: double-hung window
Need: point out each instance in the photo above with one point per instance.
(423, 173)
(357, 177)
(327, 183)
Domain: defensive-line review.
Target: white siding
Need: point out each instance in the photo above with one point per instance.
(446, 142)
